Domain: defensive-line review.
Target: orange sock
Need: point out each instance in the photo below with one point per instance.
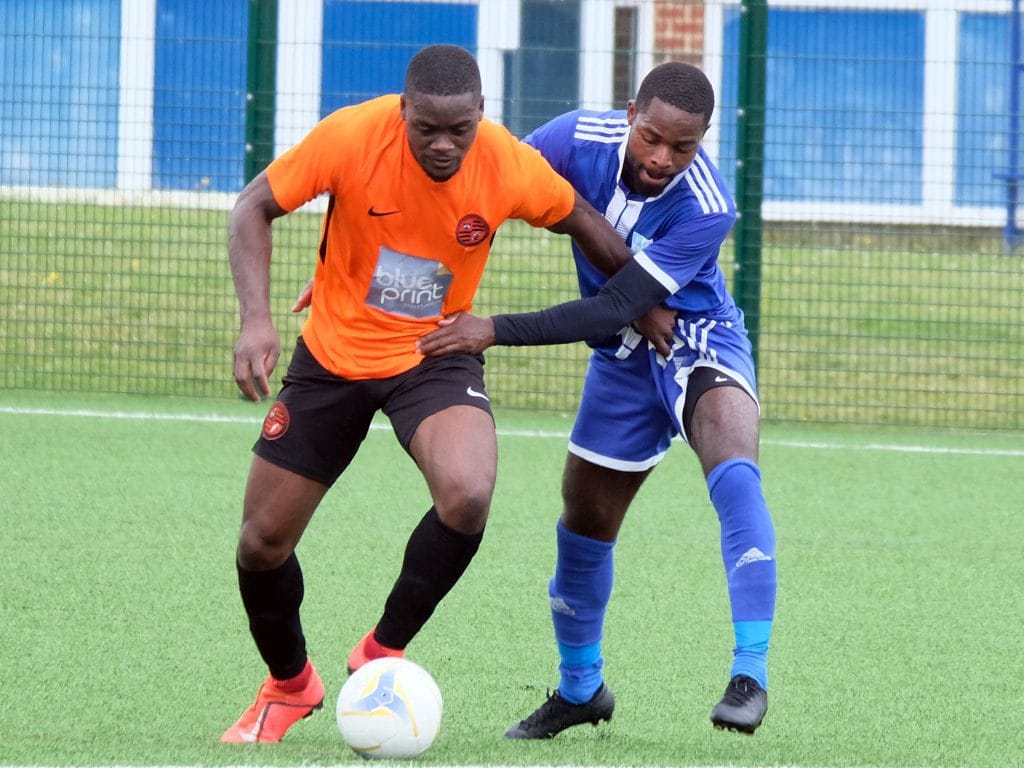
(375, 650)
(297, 683)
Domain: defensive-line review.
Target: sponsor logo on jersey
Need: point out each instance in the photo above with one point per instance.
(408, 285)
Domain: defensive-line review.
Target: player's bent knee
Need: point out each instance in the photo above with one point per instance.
(466, 511)
(258, 551)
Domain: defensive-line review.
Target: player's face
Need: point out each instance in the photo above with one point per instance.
(663, 141)
(441, 129)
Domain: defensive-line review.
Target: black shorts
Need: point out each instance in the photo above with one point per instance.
(319, 420)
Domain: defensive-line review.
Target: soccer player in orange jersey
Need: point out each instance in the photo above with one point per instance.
(418, 184)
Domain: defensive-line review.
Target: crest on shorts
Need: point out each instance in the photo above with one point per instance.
(276, 423)
(472, 229)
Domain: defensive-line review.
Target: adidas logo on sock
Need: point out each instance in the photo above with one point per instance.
(752, 555)
(558, 605)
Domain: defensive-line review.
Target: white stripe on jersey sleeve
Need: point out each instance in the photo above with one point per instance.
(611, 139)
(656, 272)
(703, 185)
(698, 190)
(603, 130)
(712, 184)
(615, 122)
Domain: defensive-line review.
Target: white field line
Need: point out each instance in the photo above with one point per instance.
(407, 763)
(529, 433)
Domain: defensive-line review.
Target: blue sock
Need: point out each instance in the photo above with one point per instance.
(748, 553)
(580, 590)
(750, 656)
(580, 672)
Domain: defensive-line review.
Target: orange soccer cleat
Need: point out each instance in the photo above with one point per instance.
(277, 709)
(369, 649)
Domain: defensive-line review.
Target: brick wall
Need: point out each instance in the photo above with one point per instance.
(678, 30)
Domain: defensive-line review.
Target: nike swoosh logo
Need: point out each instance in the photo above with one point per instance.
(720, 379)
(473, 393)
(372, 212)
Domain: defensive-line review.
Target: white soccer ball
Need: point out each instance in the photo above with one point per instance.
(389, 708)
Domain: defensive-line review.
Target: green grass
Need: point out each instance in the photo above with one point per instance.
(887, 326)
(123, 641)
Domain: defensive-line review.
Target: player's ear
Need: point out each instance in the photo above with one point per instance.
(401, 105)
(630, 111)
(480, 110)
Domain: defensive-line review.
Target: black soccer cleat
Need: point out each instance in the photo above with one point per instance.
(556, 714)
(742, 707)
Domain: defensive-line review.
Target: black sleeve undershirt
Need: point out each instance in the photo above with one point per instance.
(627, 295)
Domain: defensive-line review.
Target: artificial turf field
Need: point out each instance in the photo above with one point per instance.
(123, 642)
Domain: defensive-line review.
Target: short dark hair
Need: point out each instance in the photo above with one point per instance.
(443, 70)
(682, 85)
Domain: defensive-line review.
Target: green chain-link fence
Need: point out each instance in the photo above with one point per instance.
(890, 283)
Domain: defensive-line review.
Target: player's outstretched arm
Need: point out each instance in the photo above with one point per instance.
(630, 293)
(600, 243)
(249, 247)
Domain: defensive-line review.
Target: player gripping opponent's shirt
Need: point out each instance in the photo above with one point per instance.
(675, 238)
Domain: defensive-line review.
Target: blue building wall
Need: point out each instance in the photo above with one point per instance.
(368, 43)
(983, 151)
(199, 95)
(59, 92)
(844, 105)
(845, 93)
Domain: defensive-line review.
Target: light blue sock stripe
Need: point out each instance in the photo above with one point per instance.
(750, 657)
(752, 633)
(579, 656)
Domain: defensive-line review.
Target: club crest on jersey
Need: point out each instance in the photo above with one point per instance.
(638, 242)
(472, 230)
(276, 423)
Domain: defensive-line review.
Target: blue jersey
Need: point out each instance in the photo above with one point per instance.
(676, 236)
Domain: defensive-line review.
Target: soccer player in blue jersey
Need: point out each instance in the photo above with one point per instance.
(646, 170)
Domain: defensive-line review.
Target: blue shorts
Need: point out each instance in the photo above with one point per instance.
(631, 408)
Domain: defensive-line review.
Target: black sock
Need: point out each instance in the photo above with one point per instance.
(436, 556)
(272, 599)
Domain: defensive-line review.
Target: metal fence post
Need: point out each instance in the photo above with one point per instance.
(753, 55)
(260, 84)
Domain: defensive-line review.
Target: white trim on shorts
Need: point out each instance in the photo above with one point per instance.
(620, 464)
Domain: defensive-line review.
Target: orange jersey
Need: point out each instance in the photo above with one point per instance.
(399, 250)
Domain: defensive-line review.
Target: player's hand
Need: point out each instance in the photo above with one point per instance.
(305, 298)
(256, 354)
(658, 327)
(460, 332)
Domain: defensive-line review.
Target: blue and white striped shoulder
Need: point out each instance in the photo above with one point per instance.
(710, 196)
(606, 130)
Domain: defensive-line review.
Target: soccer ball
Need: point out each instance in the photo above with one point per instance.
(389, 708)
